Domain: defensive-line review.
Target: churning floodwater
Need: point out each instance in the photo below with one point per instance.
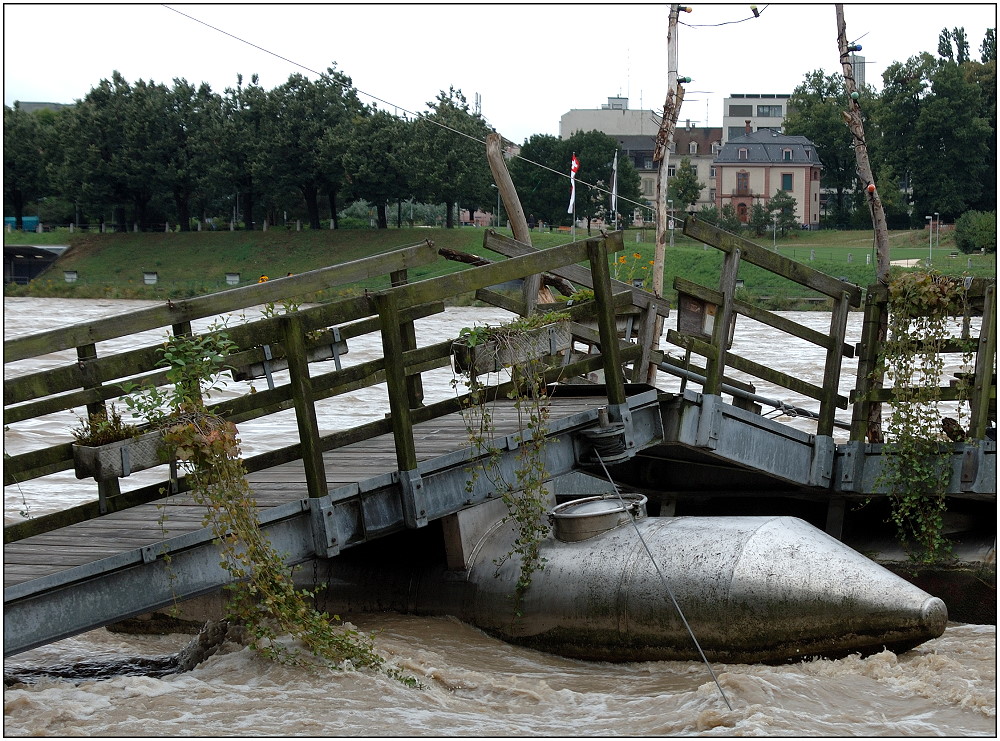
(471, 683)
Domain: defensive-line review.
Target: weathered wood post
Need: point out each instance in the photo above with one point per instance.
(855, 123)
(305, 409)
(614, 378)
(515, 214)
(661, 155)
(831, 370)
(408, 338)
(715, 369)
(981, 398)
(107, 489)
(414, 511)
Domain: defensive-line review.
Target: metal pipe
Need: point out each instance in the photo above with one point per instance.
(788, 409)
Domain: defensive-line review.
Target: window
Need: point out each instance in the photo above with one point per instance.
(673, 147)
(741, 110)
(693, 148)
(647, 164)
(742, 183)
(735, 131)
(711, 195)
(671, 171)
(716, 147)
(786, 181)
(647, 187)
(711, 172)
(786, 155)
(815, 175)
(771, 111)
(743, 153)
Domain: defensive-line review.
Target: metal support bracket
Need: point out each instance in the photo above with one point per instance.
(326, 536)
(414, 499)
(709, 422)
(821, 465)
(337, 339)
(267, 367)
(852, 466)
(972, 459)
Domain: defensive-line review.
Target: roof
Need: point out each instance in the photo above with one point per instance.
(768, 147)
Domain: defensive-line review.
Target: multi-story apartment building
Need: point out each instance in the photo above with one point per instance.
(753, 167)
(764, 111)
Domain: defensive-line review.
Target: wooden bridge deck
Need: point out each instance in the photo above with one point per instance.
(149, 524)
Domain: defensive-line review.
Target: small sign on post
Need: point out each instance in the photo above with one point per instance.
(696, 317)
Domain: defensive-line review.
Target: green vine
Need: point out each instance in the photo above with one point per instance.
(525, 496)
(262, 596)
(918, 465)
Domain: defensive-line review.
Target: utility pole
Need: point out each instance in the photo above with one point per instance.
(852, 116)
(661, 154)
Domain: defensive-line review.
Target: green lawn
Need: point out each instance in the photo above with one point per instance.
(194, 263)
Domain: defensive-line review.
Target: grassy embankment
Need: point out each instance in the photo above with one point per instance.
(195, 263)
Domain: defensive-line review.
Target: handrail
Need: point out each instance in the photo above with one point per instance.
(94, 380)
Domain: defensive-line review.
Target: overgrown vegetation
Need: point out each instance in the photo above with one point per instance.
(525, 494)
(922, 307)
(262, 596)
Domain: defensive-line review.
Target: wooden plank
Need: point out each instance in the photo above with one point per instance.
(761, 315)
(578, 274)
(771, 261)
(173, 312)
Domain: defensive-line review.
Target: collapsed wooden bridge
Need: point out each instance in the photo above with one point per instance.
(128, 553)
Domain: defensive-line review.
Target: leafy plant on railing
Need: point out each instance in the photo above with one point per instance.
(918, 465)
(525, 495)
(262, 596)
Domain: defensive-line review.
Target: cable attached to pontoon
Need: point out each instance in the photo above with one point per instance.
(663, 580)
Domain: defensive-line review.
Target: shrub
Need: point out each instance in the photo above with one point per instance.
(976, 230)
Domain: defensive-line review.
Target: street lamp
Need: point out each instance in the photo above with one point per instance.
(498, 203)
(937, 218)
(774, 232)
(930, 239)
(670, 208)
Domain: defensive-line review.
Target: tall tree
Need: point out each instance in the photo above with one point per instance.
(24, 175)
(193, 167)
(376, 158)
(815, 112)
(988, 49)
(536, 173)
(950, 160)
(782, 207)
(684, 186)
(596, 152)
(298, 116)
(449, 156)
(243, 113)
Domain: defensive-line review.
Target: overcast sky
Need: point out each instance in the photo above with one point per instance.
(529, 64)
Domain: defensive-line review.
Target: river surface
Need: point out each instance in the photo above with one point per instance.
(472, 684)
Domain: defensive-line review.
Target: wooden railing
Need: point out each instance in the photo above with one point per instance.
(706, 317)
(981, 393)
(94, 380)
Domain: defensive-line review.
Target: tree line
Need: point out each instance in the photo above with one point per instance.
(931, 132)
(144, 154)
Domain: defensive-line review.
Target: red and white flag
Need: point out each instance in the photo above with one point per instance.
(573, 167)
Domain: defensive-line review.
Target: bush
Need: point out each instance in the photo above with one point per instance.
(976, 230)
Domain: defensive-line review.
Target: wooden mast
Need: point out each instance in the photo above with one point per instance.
(855, 123)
